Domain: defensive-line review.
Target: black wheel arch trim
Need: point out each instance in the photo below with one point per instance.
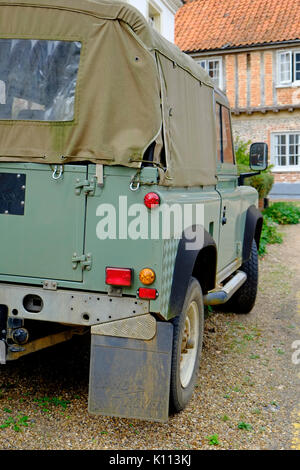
(186, 265)
(253, 229)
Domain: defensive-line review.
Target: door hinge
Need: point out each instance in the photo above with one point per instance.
(87, 186)
(84, 261)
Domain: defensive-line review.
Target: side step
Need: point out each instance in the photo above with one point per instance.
(221, 296)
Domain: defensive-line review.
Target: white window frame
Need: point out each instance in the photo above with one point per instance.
(156, 22)
(205, 61)
(283, 168)
(291, 82)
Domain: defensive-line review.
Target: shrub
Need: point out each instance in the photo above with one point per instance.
(269, 235)
(283, 213)
(262, 183)
(241, 149)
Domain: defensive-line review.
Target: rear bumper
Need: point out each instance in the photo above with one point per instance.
(71, 307)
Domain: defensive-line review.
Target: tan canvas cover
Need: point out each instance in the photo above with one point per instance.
(117, 102)
(190, 132)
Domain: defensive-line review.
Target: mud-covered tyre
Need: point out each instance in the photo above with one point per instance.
(244, 299)
(187, 347)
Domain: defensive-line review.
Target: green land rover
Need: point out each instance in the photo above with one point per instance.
(121, 211)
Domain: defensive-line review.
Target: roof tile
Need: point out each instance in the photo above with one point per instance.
(218, 24)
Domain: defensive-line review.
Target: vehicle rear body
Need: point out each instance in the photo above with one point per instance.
(97, 112)
(55, 240)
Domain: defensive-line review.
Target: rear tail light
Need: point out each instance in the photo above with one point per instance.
(147, 293)
(118, 277)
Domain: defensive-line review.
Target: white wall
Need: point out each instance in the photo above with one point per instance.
(167, 10)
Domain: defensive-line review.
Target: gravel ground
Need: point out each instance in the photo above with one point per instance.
(247, 395)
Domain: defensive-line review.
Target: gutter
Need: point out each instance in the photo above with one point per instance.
(243, 48)
(265, 109)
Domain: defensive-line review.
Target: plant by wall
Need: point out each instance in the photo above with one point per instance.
(283, 213)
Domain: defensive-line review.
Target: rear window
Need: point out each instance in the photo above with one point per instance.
(38, 79)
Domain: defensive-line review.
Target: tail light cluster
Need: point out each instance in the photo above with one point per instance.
(118, 277)
(122, 277)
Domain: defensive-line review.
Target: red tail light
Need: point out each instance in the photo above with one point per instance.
(118, 277)
(146, 293)
(152, 200)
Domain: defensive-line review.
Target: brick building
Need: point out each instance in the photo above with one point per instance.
(251, 49)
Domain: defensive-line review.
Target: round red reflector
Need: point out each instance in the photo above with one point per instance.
(152, 200)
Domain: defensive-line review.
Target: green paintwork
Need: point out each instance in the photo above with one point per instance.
(41, 243)
(60, 221)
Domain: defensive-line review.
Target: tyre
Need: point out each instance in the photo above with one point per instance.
(244, 299)
(187, 347)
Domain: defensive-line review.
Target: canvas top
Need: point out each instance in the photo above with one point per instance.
(80, 80)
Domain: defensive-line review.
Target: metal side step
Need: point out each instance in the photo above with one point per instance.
(221, 296)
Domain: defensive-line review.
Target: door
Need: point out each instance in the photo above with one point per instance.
(227, 186)
(41, 221)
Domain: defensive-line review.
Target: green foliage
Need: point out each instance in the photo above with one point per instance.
(262, 183)
(46, 402)
(15, 423)
(241, 149)
(213, 440)
(283, 213)
(225, 418)
(269, 235)
(246, 426)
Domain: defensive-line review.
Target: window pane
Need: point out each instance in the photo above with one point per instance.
(294, 147)
(297, 66)
(227, 137)
(38, 79)
(219, 131)
(280, 150)
(285, 67)
(214, 71)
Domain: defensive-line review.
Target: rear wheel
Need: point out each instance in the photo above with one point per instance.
(244, 299)
(187, 347)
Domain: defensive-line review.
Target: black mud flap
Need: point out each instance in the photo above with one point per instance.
(130, 378)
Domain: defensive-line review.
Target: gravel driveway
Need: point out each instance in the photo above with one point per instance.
(247, 395)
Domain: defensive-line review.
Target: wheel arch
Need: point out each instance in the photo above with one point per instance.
(253, 229)
(200, 263)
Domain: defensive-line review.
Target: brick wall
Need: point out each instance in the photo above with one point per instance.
(260, 127)
(245, 87)
(256, 100)
(253, 83)
(268, 78)
(256, 93)
(287, 177)
(241, 86)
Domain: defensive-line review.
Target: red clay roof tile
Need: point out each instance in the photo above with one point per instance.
(218, 24)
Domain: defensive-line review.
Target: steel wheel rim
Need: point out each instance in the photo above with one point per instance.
(189, 344)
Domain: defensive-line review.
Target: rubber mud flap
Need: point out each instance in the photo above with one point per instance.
(130, 378)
